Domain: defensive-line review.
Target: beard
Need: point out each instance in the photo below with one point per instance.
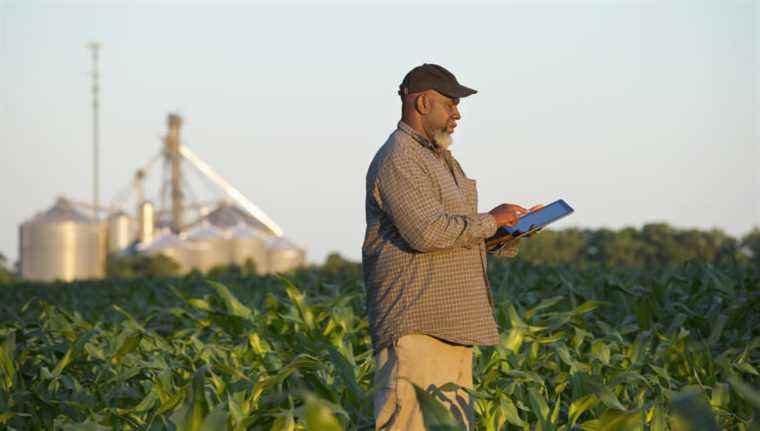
(442, 139)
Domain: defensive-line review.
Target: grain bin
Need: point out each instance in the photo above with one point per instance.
(248, 243)
(121, 232)
(169, 245)
(62, 243)
(208, 247)
(285, 256)
(146, 214)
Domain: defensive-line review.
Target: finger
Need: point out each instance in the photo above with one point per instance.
(520, 211)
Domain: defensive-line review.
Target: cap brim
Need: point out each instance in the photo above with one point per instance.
(458, 91)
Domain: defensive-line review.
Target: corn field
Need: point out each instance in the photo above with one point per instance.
(597, 349)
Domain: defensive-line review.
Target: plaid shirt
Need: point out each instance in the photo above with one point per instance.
(424, 256)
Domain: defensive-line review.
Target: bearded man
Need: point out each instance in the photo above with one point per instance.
(424, 256)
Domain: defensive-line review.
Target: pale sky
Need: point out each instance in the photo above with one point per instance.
(632, 112)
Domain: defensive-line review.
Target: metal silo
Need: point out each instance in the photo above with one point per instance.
(121, 232)
(146, 214)
(62, 243)
(209, 247)
(172, 246)
(285, 256)
(247, 243)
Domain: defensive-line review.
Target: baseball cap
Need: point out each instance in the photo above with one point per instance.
(433, 77)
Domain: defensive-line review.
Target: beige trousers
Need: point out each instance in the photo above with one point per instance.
(426, 361)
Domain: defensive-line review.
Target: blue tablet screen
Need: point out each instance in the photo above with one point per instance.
(546, 215)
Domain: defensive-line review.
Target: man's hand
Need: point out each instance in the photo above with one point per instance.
(507, 214)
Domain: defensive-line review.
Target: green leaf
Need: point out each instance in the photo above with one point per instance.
(659, 422)
(217, 420)
(720, 396)
(508, 410)
(581, 405)
(130, 344)
(234, 307)
(601, 352)
(539, 406)
(752, 396)
(588, 306)
(190, 415)
(691, 412)
(435, 415)
(319, 416)
(86, 426)
(7, 359)
(347, 373)
(616, 420)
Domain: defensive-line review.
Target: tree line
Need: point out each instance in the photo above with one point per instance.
(653, 245)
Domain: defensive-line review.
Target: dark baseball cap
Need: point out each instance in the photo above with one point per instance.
(433, 77)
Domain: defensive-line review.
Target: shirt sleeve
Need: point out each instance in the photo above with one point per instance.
(508, 248)
(410, 199)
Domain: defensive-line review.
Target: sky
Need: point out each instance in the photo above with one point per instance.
(632, 112)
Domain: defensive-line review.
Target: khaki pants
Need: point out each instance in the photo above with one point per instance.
(425, 361)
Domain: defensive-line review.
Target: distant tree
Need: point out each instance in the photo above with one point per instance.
(219, 271)
(554, 247)
(624, 248)
(141, 265)
(655, 244)
(249, 268)
(751, 244)
(336, 266)
(6, 275)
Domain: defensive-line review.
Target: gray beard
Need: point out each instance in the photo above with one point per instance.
(442, 139)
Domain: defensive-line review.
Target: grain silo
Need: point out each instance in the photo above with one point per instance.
(169, 245)
(208, 247)
(121, 231)
(62, 243)
(248, 243)
(284, 255)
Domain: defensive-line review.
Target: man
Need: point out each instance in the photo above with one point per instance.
(424, 256)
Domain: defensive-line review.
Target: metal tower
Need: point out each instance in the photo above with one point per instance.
(94, 47)
(173, 156)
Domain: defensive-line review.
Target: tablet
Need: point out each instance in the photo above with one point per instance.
(537, 219)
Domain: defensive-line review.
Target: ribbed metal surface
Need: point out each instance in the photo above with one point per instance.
(147, 222)
(62, 243)
(285, 256)
(247, 243)
(208, 247)
(172, 246)
(121, 232)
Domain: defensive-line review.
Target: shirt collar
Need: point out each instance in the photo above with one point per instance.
(421, 139)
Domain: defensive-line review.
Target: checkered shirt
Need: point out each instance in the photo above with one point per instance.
(424, 256)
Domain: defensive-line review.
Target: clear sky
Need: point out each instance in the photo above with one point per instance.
(632, 112)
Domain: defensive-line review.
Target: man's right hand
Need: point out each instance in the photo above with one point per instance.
(507, 214)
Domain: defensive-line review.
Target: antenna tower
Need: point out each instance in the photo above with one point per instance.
(94, 47)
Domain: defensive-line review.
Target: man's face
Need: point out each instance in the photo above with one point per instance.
(444, 113)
